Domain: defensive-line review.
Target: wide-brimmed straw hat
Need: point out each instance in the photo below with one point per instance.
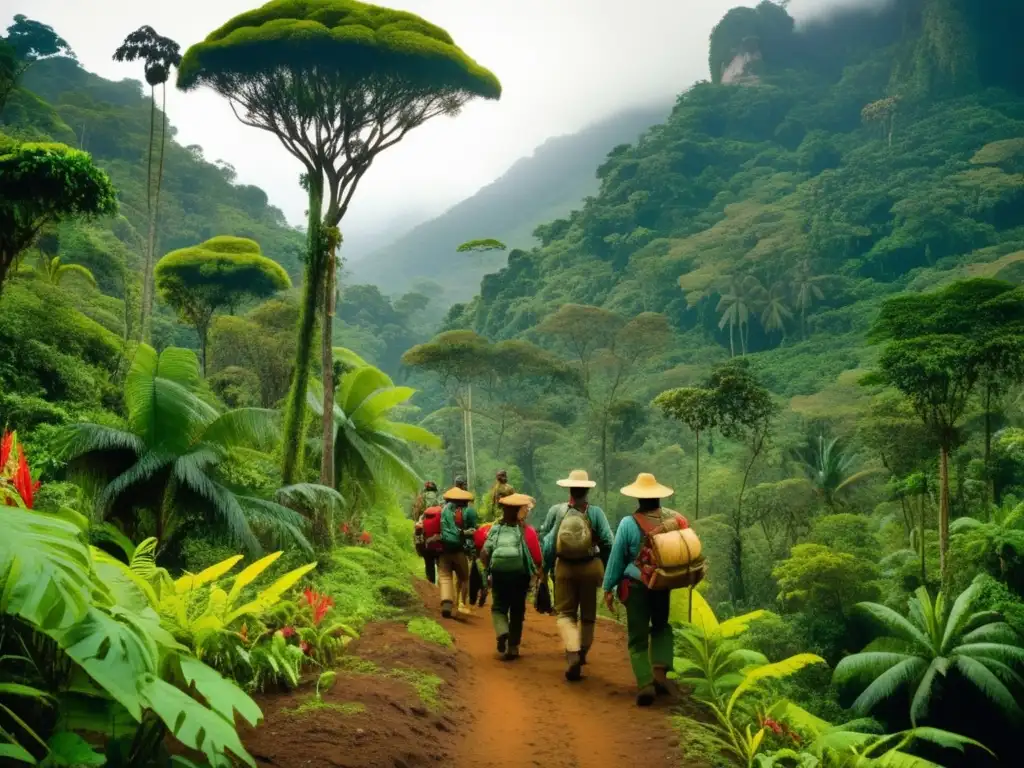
(647, 487)
(578, 478)
(516, 500)
(457, 494)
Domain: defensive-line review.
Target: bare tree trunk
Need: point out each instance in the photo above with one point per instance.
(147, 261)
(327, 363)
(472, 446)
(989, 481)
(920, 536)
(943, 512)
(696, 494)
(604, 463)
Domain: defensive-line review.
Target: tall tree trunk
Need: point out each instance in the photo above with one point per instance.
(154, 228)
(465, 440)
(204, 333)
(920, 542)
(327, 364)
(943, 512)
(147, 259)
(696, 493)
(604, 462)
(295, 409)
(472, 479)
(732, 344)
(989, 480)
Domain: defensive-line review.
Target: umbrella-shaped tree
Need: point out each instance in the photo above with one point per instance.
(338, 82)
(222, 272)
(159, 54)
(41, 184)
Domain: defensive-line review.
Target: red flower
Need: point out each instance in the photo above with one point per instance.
(244, 633)
(287, 631)
(366, 537)
(23, 483)
(6, 442)
(305, 647)
(774, 726)
(345, 529)
(320, 604)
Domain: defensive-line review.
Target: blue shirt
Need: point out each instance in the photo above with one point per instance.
(622, 563)
(598, 524)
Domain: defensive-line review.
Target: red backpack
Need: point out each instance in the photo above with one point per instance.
(432, 527)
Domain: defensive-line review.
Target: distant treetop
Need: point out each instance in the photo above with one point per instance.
(487, 244)
(363, 39)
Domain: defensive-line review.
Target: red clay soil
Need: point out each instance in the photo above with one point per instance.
(496, 714)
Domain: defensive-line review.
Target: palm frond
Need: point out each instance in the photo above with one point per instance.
(283, 526)
(256, 428)
(148, 465)
(923, 696)
(410, 433)
(994, 632)
(959, 615)
(1010, 654)
(310, 496)
(80, 439)
(896, 625)
(219, 502)
(1004, 672)
(964, 524)
(867, 664)
(906, 672)
(776, 671)
(982, 678)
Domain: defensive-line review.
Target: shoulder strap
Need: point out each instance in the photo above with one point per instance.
(647, 528)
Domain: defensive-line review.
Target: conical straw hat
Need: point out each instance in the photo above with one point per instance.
(516, 500)
(578, 478)
(647, 487)
(457, 494)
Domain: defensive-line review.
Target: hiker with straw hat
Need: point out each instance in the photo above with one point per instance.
(511, 554)
(458, 521)
(576, 546)
(647, 610)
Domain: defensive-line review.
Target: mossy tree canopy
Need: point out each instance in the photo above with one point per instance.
(40, 184)
(222, 272)
(335, 80)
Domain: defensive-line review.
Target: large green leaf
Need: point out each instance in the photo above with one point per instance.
(256, 428)
(69, 750)
(222, 696)
(44, 569)
(193, 724)
(906, 672)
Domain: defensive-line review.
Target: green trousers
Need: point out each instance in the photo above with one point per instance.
(650, 636)
(508, 605)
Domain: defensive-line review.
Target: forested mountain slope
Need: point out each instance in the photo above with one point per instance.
(549, 183)
(61, 101)
(838, 164)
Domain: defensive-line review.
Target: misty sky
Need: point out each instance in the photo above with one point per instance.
(562, 63)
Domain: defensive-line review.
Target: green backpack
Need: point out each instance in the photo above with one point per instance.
(508, 555)
(451, 527)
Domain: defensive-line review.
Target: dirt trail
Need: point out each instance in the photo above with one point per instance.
(527, 714)
(483, 712)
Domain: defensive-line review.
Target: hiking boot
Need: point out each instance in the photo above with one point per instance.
(502, 643)
(573, 670)
(483, 598)
(663, 686)
(583, 656)
(512, 653)
(446, 608)
(645, 696)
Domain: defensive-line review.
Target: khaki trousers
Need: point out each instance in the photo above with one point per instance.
(450, 563)
(576, 588)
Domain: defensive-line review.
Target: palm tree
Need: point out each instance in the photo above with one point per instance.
(56, 273)
(159, 55)
(806, 291)
(932, 643)
(776, 311)
(743, 297)
(829, 465)
(166, 471)
(371, 451)
(1001, 538)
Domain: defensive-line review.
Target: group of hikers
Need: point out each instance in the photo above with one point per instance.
(652, 552)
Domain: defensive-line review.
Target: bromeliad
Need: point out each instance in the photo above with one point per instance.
(319, 604)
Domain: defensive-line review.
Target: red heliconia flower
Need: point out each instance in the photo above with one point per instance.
(5, 450)
(287, 631)
(23, 482)
(366, 537)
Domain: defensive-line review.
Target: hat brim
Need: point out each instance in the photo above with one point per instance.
(457, 494)
(516, 500)
(576, 483)
(657, 491)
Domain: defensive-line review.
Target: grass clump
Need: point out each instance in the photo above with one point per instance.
(427, 686)
(431, 631)
(358, 666)
(313, 704)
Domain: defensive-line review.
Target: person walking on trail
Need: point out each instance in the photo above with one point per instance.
(511, 554)
(647, 609)
(427, 498)
(576, 547)
(458, 522)
(501, 488)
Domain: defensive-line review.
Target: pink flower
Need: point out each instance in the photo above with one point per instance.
(287, 631)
